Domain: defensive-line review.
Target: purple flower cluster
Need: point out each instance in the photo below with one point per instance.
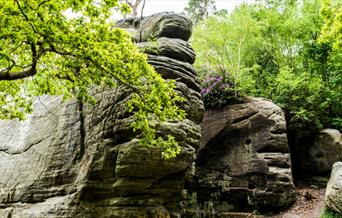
(218, 92)
(213, 82)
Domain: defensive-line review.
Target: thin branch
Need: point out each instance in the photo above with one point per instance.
(23, 13)
(10, 66)
(117, 79)
(142, 8)
(43, 2)
(7, 75)
(4, 89)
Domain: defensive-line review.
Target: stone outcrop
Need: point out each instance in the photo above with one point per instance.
(68, 159)
(314, 152)
(244, 160)
(333, 195)
(172, 48)
(73, 160)
(324, 152)
(159, 25)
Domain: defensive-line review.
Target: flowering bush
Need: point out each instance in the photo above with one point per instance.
(218, 92)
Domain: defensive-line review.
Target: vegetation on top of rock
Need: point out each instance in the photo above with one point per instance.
(46, 51)
(286, 51)
(218, 92)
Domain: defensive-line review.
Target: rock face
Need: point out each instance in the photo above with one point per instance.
(158, 25)
(315, 156)
(244, 161)
(325, 151)
(73, 160)
(333, 195)
(172, 48)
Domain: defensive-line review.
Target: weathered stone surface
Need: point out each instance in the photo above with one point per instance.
(172, 48)
(38, 160)
(164, 24)
(172, 69)
(333, 195)
(73, 160)
(323, 153)
(244, 161)
(37, 155)
(187, 84)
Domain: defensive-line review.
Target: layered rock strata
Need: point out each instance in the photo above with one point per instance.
(244, 160)
(73, 160)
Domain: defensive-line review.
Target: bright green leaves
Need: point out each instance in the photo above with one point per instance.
(45, 49)
(221, 44)
(275, 51)
(156, 103)
(14, 103)
(301, 96)
(331, 12)
(125, 8)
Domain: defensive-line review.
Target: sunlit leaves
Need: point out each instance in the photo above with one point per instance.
(331, 12)
(288, 53)
(66, 48)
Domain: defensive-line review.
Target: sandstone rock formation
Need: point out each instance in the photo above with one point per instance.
(159, 25)
(324, 152)
(244, 161)
(73, 160)
(68, 159)
(333, 195)
(315, 153)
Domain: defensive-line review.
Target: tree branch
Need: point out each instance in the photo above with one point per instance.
(6, 74)
(97, 65)
(26, 17)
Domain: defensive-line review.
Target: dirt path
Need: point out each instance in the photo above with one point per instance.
(309, 204)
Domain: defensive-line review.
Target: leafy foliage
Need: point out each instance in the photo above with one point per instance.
(280, 50)
(289, 91)
(331, 12)
(224, 38)
(44, 51)
(131, 7)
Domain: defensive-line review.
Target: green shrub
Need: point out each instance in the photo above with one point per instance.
(218, 92)
(330, 214)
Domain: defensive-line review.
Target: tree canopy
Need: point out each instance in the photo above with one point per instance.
(331, 12)
(46, 51)
(133, 7)
(198, 10)
(287, 51)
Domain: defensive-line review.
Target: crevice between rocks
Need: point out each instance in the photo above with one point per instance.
(82, 130)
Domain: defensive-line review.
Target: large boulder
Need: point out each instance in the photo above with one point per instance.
(244, 160)
(325, 151)
(164, 24)
(333, 195)
(173, 48)
(315, 152)
(73, 160)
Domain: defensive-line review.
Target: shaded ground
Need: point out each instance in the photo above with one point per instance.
(309, 204)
